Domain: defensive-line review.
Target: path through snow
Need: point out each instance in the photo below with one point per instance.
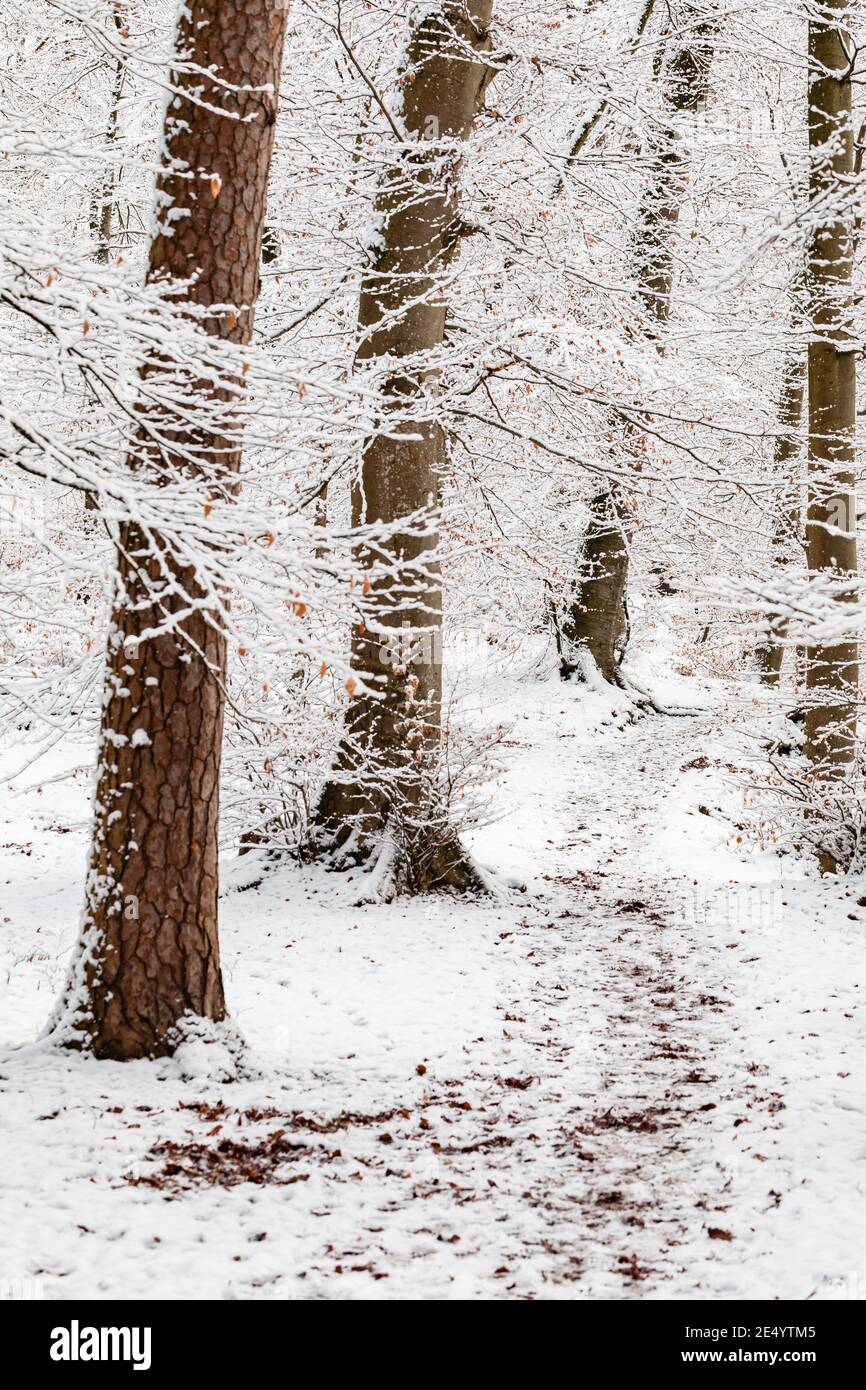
(642, 1078)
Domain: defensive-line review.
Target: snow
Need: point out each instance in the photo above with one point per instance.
(579, 1092)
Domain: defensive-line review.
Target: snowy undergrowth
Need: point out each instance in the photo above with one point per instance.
(642, 1077)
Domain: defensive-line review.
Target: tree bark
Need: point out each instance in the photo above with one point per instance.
(593, 629)
(384, 773)
(149, 953)
(831, 541)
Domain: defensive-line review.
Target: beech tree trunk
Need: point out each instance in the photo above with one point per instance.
(770, 650)
(592, 632)
(593, 629)
(831, 540)
(384, 774)
(102, 208)
(149, 955)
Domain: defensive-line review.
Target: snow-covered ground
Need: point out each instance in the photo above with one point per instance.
(641, 1077)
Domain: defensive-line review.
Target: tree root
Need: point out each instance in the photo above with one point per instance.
(393, 868)
(639, 700)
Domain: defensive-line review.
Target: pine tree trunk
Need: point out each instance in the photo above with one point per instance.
(593, 629)
(831, 541)
(149, 954)
(385, 767)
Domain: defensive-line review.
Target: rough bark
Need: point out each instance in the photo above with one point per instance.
(149, 955)
(831, 542)
(385, 768)
(594, 627)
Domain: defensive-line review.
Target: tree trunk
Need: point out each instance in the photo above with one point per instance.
(102, 204)
(149, 954)
(593, 630)
(591, 633)
(102, 207)
(831, 540)
(770, 650)
(385, 771)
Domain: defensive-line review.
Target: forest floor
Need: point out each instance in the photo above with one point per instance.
(641, 1077)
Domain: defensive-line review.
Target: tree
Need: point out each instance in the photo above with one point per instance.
(385, 772)
(102, 208)
(770, 649)
(149, 950)
(593, 627)
(787, 521)
(831, 542)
